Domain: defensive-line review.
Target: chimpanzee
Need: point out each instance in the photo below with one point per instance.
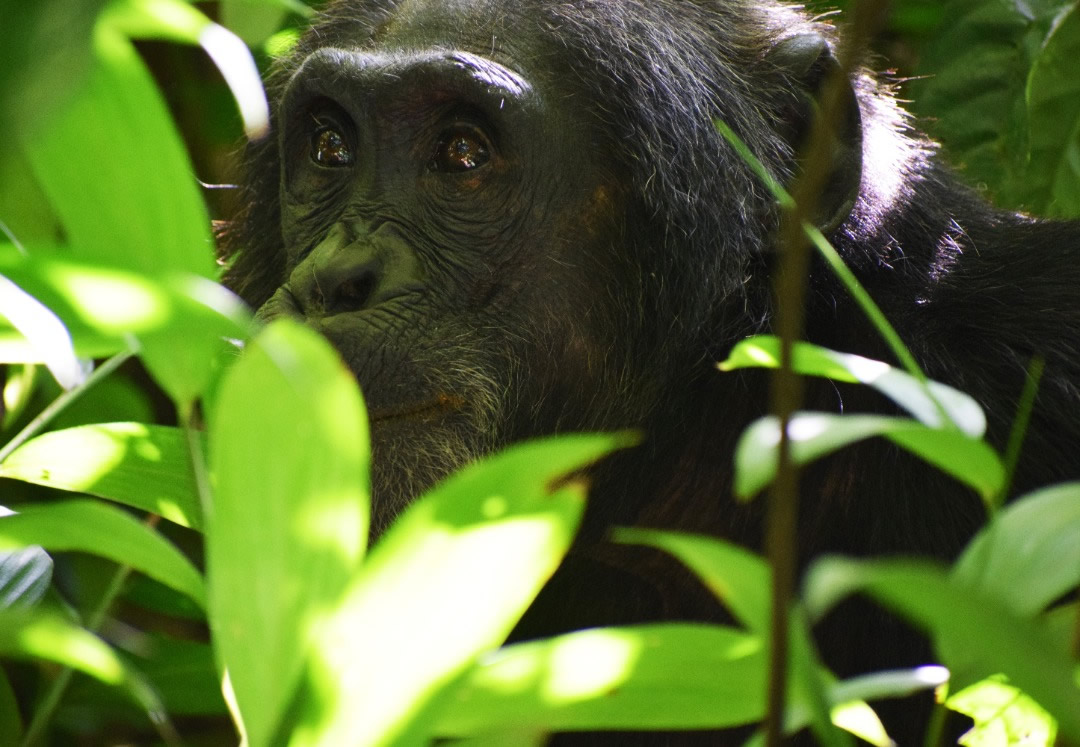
(517, 217)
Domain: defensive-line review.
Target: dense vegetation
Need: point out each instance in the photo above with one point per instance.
(188, 541)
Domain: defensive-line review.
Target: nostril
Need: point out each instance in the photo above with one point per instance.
(353, 294)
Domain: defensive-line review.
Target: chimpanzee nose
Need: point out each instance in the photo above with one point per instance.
(344, 273)
(346, 286)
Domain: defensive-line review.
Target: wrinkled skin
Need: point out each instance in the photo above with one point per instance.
(516, 218)
(434, 235)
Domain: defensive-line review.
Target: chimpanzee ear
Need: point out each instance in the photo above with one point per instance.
(806, 62)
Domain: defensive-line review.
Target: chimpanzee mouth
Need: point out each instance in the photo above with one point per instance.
(442, 404)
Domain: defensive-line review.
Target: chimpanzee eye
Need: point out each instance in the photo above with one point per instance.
(460, 150)
(329, 148)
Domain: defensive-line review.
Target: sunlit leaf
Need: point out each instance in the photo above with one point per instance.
(185, 357)
(144, 466)
(116, 172)
(24, 574)
(451, 578)
(737, 577)
(18, 389)
(1003, 716)
(665, 676)
(44, 332)
(814, 435)
(743, 582)
(288, 455)
(1029, 554)
(1053, 101)
(48, 637)
(180, 321)
(94, 527)
(179, 21)
(925, 403)
(255, 21)
(975, 634)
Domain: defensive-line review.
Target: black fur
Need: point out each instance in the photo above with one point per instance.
(683, 273)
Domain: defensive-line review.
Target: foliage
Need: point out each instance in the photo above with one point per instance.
(315, 638)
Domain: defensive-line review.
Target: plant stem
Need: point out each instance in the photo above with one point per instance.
(61, 403)
(786, 390)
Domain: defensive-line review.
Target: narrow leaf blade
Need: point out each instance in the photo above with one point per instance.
(288, 454)
(143, 466)
(471, 555)
(1029, 555)
(648, 677)
(94, 527)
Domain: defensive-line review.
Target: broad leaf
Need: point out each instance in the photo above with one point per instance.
(44, 332)
(664, 676)
(48, 637)
(814, 435)
(738, 577)
(179, 21)
(288, 454)
(925, 403)
(116, 172)
(446, 584)
(94, 527)
(1003, 715)
(1029, 554)
(975, 633)
(743, 582)
(180, 321)
(1053, 101)
(144, 466)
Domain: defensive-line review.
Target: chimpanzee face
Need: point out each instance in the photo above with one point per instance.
(451, 226)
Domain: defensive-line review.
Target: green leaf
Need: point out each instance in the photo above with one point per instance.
(288, 456)
(972, 89)
(975, 634)
(1053, 101)
(116, 172)
(743, 581)
(255, 21)
(183, 674)
(144, 466)
(738, 577)
(925, 403)
(1003, 715)
(44, 332)
(179, 21)
(1029, 554)
(94, 527)
(647, 677)
(48, 637)
(467, 558)
(45, 55)
(814, 435)
(180, 320)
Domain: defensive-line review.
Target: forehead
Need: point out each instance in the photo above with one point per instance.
(499, 31)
